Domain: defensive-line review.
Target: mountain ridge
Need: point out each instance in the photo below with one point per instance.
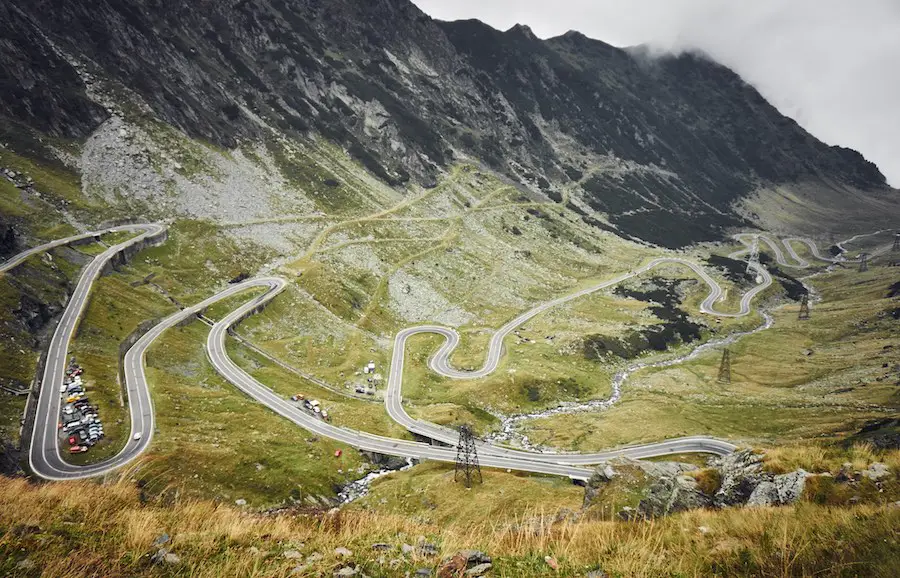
(663, 148)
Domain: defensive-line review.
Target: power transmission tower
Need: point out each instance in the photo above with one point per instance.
(804, 307)
(725, 367)
(863, 262)
(466, 457)
(753, 258)
(895, 252)
(896, 247)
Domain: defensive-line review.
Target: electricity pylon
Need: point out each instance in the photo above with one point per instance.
(863, 262)
(725, 367)
(804, 307)
(466, 457)
(896, 247)
(895, 252)
(753, 257)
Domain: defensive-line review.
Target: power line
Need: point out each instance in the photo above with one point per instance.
(753, 257)
(466, 457)
(804, 307)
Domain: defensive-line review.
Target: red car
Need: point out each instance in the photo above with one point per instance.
(73, 441)
(78, 449)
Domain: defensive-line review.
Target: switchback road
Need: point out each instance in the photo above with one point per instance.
(44, 454)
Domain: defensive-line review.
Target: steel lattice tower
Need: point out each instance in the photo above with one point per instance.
(804, 307)
(896, 247)
(863, 262)
(725, 367)
(895, 258)
(753, 258)
(466, 457)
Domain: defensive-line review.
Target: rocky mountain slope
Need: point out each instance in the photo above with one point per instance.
(663, 148)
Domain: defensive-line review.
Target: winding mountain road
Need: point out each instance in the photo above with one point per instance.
(46, 462)
(43, 456)
(440, 364)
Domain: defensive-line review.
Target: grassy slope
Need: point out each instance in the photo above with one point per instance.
(80, 528)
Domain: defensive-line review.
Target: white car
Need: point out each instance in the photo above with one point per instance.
(137, 436)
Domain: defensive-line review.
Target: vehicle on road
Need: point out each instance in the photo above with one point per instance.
(136, 436)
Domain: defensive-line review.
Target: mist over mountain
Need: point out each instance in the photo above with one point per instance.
(661, 148)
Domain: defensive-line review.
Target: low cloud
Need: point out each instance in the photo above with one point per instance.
(832, 65)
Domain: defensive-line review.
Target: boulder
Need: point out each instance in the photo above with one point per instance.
(474, 556)
(876, 472)
(453, 567)
(163, 556)
(741, 473)
(779, 490)
(669, 495)
(479, 569)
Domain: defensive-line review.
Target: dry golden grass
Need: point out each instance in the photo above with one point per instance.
(89, 529)
(826, 458)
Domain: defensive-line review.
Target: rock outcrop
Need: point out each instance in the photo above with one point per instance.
(778, 490)
(669, 487)
(669, 495)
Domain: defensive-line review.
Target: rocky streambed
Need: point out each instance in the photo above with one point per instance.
(359, 488)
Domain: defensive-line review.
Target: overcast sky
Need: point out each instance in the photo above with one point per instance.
(832, 65)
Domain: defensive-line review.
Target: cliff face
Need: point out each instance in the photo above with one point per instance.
(663, 146)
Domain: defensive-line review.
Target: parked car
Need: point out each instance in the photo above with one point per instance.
(78, 449)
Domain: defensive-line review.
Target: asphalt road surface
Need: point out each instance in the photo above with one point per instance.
(43, 456)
